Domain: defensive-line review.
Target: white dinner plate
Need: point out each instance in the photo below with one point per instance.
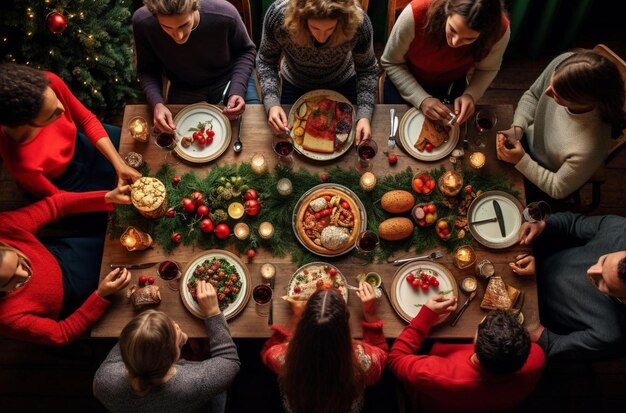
(189, 119)
(488, 233)
(410, 128)
(315, 95)
(311, 268)
(407, 300)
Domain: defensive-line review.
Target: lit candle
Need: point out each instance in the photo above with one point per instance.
(284, 187)
(367, 181)
(242, 231)
(477, 160)
(259, 165)
(464, 256)
(138, 128)
(235, 210)
(135, 240)
(450, 183)
(268, 271)
(266, 230)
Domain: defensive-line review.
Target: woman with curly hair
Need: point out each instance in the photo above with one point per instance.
(320, 368)
(40, 142)
(324, 44)
(433, 46)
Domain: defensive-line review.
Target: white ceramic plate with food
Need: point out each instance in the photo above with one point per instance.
(316, 276)
(488, 233)
(407, 300)
(409, 131)
(298, 118)
(231, 303)
(194, 117)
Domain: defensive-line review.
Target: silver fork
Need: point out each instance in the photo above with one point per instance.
(432, 256)
(393, 122)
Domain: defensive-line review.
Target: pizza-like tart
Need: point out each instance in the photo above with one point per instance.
(328, 221)
(498, 295)
(432, 132)
(326, 127)
(316, 276)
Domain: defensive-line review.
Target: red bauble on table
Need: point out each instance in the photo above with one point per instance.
(202, 210)
(206, 225)
(250, 194)
(198, 197)
(56, 22)
(176, 237)
(188, 205)
(252, 207)
(222, 231)
(251, 253)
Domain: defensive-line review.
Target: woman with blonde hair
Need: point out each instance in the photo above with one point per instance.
(144, 372)
(317, 44)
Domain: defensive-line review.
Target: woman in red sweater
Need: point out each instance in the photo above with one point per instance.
(320, 368)
(39, 143)
(49, 292)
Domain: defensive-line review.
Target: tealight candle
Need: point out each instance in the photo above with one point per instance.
(135, 240)
(477, 160)
(241, 231)
(259, 165)
(266, 230)
(450, 183)
(235, 210)
(464, 256)
(458, 153)
(138, 128)
(268, 271)
(284, 187)
(367, 181)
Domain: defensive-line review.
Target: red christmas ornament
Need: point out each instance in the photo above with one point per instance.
(222, 231)
(56, 22)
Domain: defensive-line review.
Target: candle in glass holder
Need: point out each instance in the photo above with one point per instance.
(135, 240)
(367, 181)
(284, 187)
(266, 230)
(464, 256)
(138, 128)
(259, 165)
(268, 271)
(235, 210)
(241, 230)
(450, 183)
(477, 160)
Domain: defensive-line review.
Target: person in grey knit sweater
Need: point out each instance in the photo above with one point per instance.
(143, 371)
(324, 44)
(581, 284)
(568, 116)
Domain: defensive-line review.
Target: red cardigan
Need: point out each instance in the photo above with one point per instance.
(371, 352)
(30, 313)
(34, 163)
(447, 381)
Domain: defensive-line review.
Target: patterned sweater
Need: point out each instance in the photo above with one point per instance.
(310, 67)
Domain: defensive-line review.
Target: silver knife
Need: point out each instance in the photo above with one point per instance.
(499, 217)
(270, 317)
(135, 266)
(484, 221)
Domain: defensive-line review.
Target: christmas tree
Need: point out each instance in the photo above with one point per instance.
(88, 43)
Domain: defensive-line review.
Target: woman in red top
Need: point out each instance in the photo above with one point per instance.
(320, 368)
(39, 143)
(433, 46)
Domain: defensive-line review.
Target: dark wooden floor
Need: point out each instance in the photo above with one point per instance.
(38, 378)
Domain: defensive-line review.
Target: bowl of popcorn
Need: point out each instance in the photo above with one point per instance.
(149, 197)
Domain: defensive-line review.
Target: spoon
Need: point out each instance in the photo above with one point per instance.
(238, 145)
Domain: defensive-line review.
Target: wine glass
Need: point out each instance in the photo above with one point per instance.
(536, 211)
(170, 272)
(283, 146)
(484, 121)
(167, 142)
(366, 150)
(366, 243)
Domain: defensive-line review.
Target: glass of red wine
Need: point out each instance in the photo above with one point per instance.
(262, 295)
(170, 272)
(366, 243)
(366, 150)
(485, 120)
(536, 211)
(283, 147)
(167, 142)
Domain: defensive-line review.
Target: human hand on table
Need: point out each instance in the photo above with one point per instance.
(464, 107)
(126, 174)
(368, 301)
(277, 120)
(513, 155)
(363, 130)
(235, 107)
(523, 265)
(114, 281)
(162, 118)
(119, 195)
(207, 299)
(529, 231)
(441, 305)
(433, 109)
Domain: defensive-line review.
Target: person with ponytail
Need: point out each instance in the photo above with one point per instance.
(144, 371)
(320, 367)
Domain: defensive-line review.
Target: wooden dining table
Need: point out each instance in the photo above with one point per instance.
(257, 137)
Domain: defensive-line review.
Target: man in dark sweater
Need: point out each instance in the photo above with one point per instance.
(581, 284)
(199, 45)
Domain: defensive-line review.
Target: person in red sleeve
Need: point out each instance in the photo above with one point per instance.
(320, 368)
(39, 143)
(49, 291)
(499, 370)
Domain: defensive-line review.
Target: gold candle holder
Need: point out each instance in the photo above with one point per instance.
(450, 183)
(235, 210)
(284, 187)
(266, 230)
(367, 181)
(259, 165)
(268, 271)
(464, 257)
(241, 231)
(135, 240)
(138, 128)
(477, 160)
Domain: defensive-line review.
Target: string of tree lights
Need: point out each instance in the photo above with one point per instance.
(88, 43)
